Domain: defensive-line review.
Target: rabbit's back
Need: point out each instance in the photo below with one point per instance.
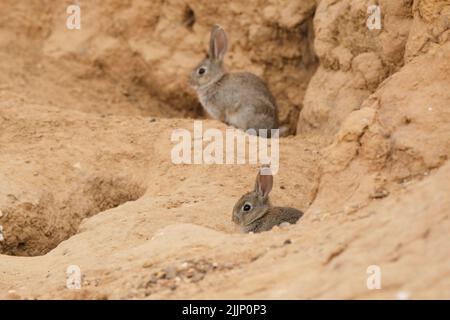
(251, 85)
(276, 216)
(244, 101)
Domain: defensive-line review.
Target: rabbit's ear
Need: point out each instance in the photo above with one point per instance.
(264, 182)
(218, 44)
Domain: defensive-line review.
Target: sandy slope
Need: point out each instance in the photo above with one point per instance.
(86, 176)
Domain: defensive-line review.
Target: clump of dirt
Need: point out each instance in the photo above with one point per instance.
(59, 216)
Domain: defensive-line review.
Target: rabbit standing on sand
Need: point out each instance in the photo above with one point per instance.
(239, 99)
(254, 213)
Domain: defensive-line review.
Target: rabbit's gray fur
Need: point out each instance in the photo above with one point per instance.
(242, 100)
(262, 216)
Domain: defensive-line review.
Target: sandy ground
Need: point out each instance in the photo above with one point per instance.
(86, 177)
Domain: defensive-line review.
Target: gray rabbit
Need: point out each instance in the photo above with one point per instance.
(253, 211)
(239, 99)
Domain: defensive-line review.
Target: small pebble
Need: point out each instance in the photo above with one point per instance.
(228, 265)
(173, 287)
(198, 277)
(402, 295)
(190, 273)
(12, 294)
(160, 274)
(171, 272)
(77, 165)
(184, 266)
(284, 225)
(152, 280)
(380, 193)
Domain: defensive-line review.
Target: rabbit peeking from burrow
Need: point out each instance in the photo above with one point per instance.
(253, 212)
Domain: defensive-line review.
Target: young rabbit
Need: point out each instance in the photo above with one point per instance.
(239, 99)
(254, 213)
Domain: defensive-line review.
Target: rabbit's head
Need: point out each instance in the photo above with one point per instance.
(211, 69)
(255, 204)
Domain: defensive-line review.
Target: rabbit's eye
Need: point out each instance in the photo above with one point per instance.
(247, 207)
(201, 71)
